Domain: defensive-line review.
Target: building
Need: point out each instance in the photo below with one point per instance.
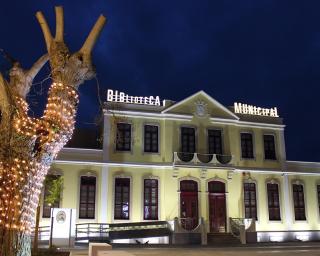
(196, 162)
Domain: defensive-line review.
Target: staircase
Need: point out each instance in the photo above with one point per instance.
(223, 239)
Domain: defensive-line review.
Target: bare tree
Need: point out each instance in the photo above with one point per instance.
(28, 145)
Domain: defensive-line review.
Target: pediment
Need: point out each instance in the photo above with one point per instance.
(201, 104)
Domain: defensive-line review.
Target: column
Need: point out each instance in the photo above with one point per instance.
(288, 216)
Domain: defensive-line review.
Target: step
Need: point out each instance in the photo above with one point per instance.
(222, 239)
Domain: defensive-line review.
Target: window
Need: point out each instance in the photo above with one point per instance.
(298, 201)
(150, 199)
(215, 142)
(46, 210)
(273, 201)
(269, 147)
(246, 145)
(151, 138)
(87, 197)
(250, 200)
(122, 198)
(188, 140)
(123, 139)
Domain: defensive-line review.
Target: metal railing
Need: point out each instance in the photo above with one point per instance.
(105, 231)
(203, 159)
(43, 233)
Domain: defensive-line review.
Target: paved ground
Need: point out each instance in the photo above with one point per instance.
(309, 250)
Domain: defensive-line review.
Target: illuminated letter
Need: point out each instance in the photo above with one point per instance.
(146, 100)
(141, 100)
(255, 111)
(127, 98)
(237, 108)
(276, 112)
(131, 99)
(151, 100)
(250, 110)
(121, 97)
(136, 100)
(245, 109)
(116, 96)
(259, 111)
(267, 112)
(110, 95)
(157, 101)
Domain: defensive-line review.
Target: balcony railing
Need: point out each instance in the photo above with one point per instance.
(183, 158)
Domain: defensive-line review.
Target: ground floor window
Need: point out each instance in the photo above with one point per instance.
(150, 199)
(273, 201)
(122, 198)
(298, 200)
(49, 182)
(87, 197)
(250, 200)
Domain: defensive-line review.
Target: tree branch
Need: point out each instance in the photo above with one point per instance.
(45, 29)
(34, 70)
(93, 35)
(59, 23)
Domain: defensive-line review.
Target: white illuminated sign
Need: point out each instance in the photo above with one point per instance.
(115, 96)
(253, 110)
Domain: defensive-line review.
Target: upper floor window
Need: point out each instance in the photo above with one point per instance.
(123, 139)
(188, 140)
(246, 145)
(49, 182)
(151, 143)
(150, 199)
(269, 147)
(215, 141)
(250, 200)
(122, 198)
(298, 201)
(87, 197)
(273, 201)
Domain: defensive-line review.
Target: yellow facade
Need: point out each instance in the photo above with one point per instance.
(165, 166)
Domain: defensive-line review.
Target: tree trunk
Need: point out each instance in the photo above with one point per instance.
(36, 231)
(29, 145)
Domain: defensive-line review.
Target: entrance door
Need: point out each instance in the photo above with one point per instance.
(189, 204)
(217, 206)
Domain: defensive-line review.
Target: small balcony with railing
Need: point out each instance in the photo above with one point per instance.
(199, 159)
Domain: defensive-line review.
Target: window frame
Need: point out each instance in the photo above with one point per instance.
(256, 198)
(253, 146)
(116, 136)
(222, 138)
(272, 182)
(299, 183)
(275, 147)
(143, 138)
(157, 202)
(195, 137)
(129, 199)
(95, 198)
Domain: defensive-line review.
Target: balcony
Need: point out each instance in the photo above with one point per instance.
(183, 158)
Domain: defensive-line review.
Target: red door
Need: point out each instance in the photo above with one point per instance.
(217, 206)
(189, 204)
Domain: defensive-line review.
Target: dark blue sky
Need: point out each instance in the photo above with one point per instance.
(264, 52)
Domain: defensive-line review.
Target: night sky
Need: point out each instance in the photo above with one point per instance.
(265, 53)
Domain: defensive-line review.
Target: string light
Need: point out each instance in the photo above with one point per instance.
(21, 177)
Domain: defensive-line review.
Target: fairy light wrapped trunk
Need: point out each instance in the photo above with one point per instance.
(29, 145)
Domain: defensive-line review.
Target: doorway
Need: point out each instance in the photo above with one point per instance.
(217, 206)
(189, 204)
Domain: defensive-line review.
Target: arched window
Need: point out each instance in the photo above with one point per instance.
(298, 201)
(150, 206)
(273, 201)
(122, 199)
(250, 200)
(87, 197)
